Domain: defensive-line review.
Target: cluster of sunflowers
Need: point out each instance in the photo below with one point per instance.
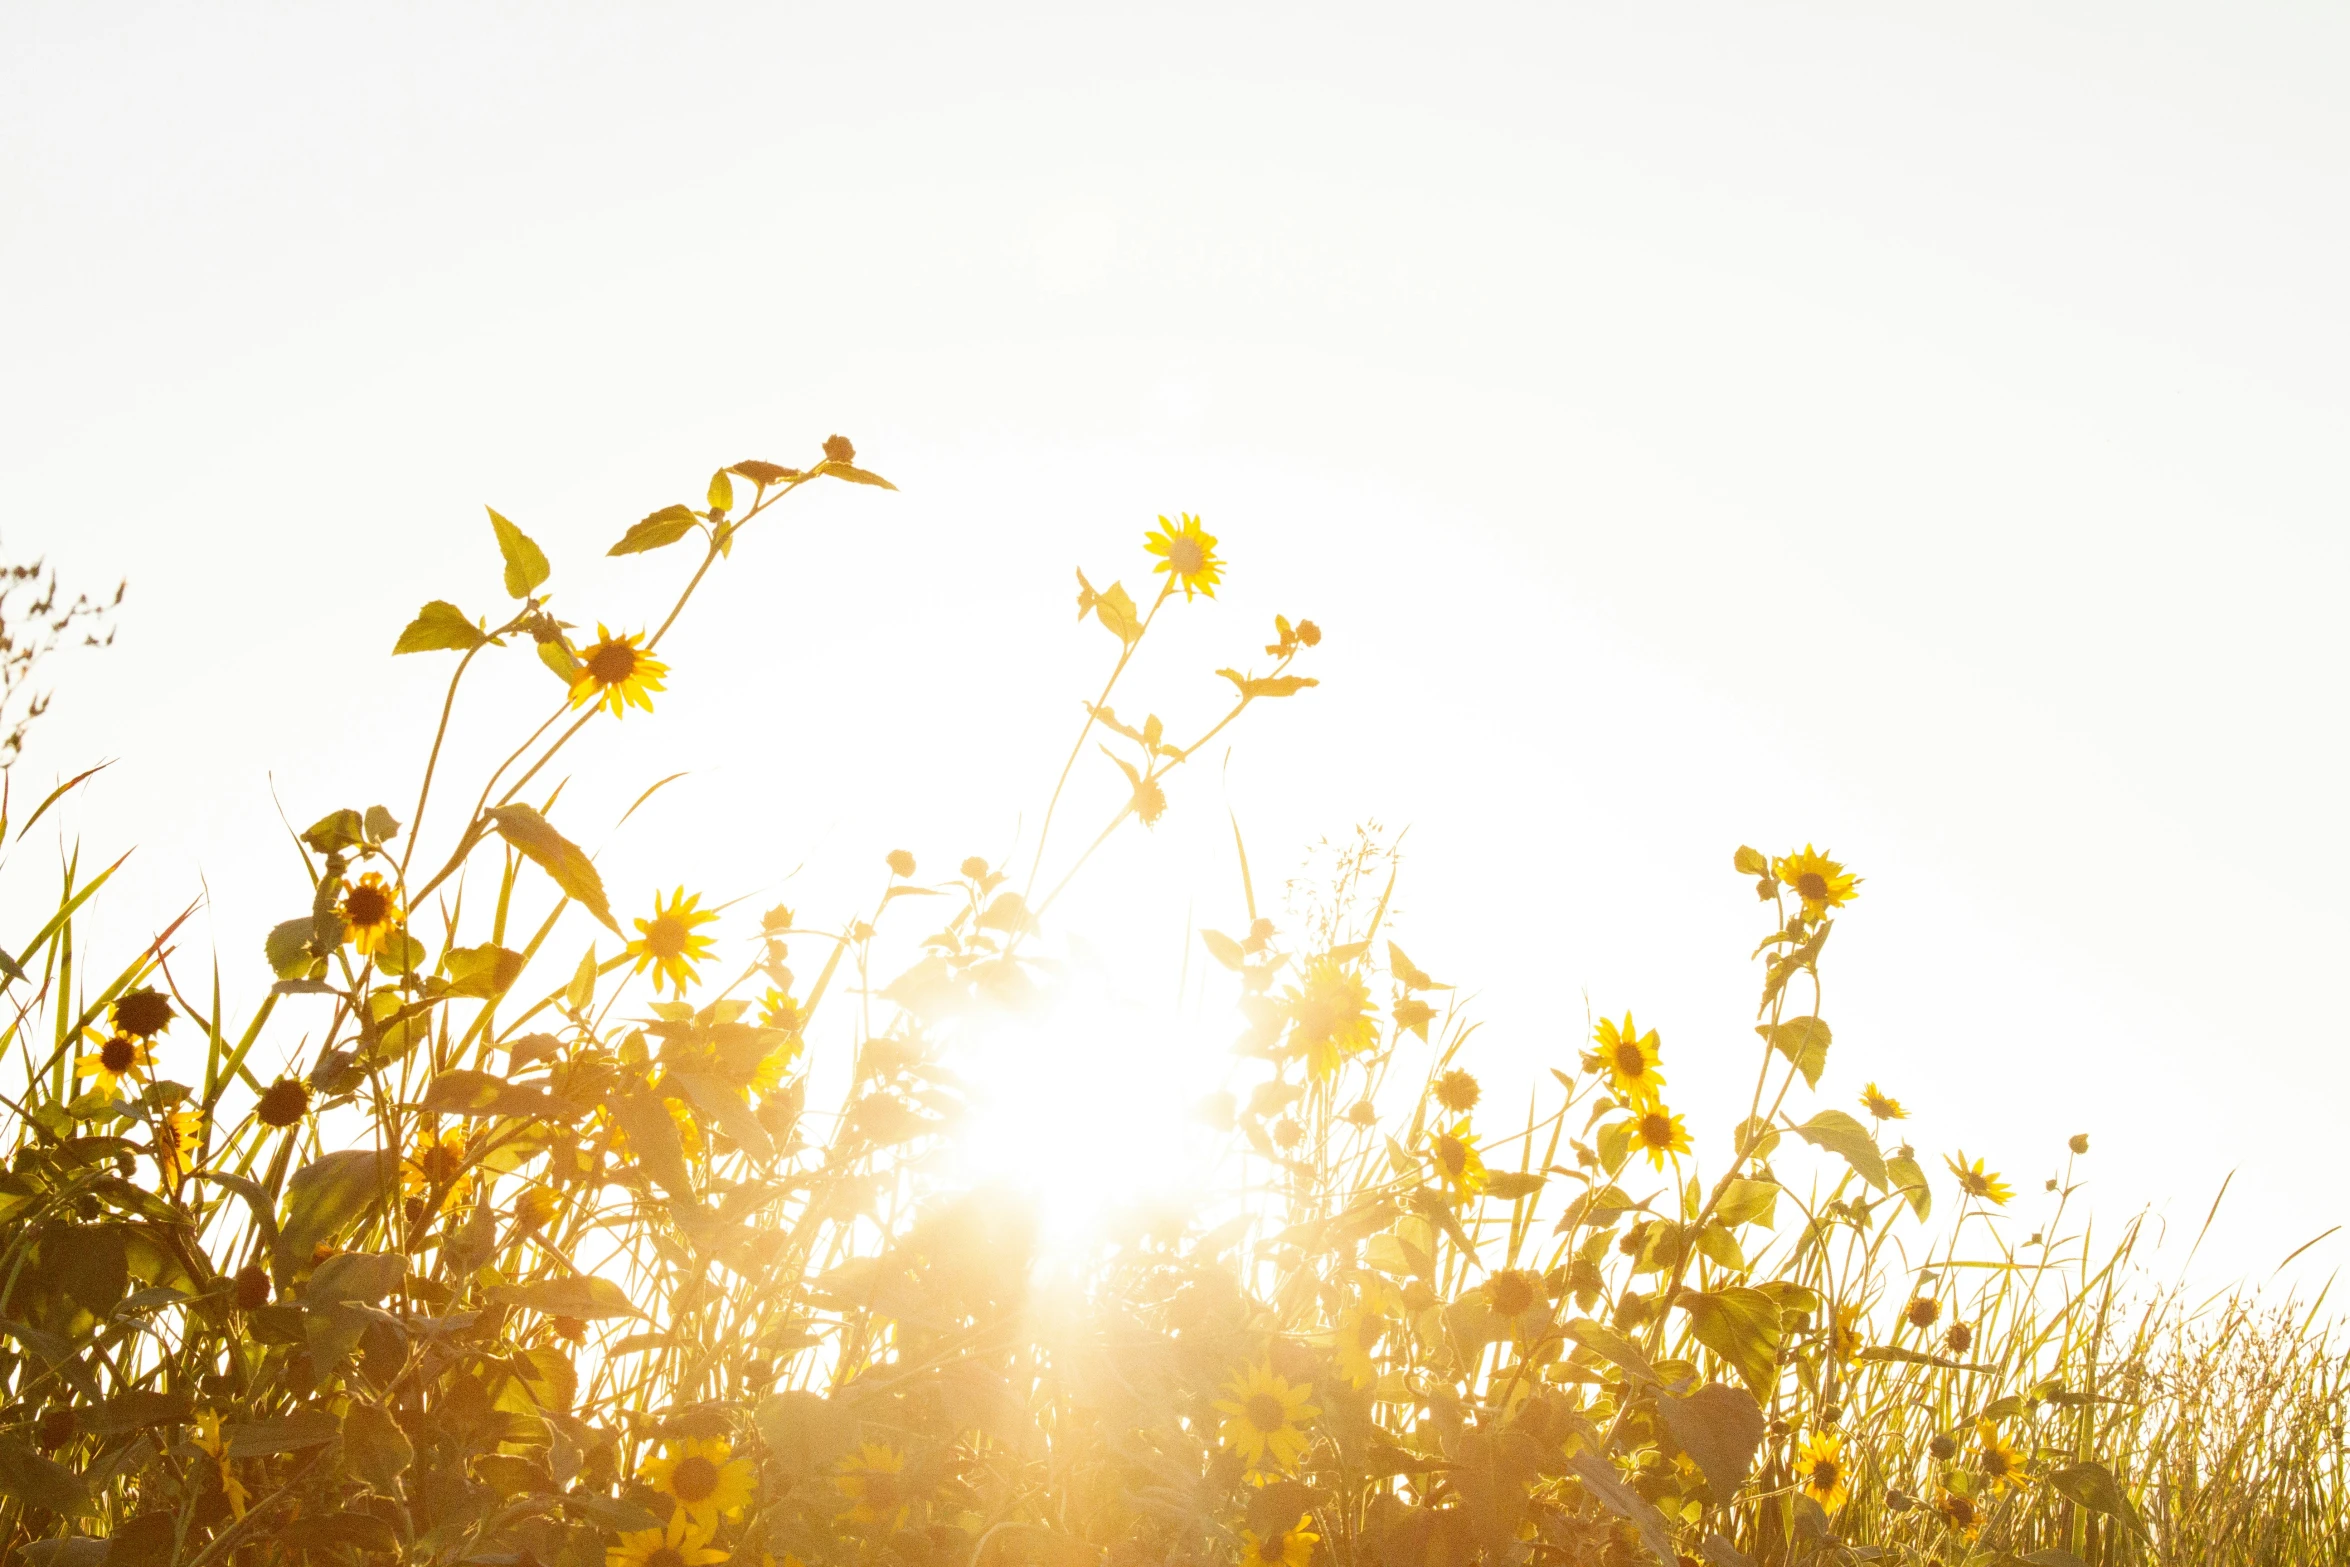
(574, 1273)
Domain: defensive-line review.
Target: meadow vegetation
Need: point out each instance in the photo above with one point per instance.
(505, 1228)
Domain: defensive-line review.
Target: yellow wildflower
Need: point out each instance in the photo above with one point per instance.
(670, 943)
(1820, 882)
(1187, 555)
(708, 1481)
(617, 671)
(1265, 1419)
(1629, 1058)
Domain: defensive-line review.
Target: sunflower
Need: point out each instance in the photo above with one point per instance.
(1457, 1161)
(1923, 1312)
(689, 1132)
(1976, 1181)
(369, 912)
(1959, 1514)
(178, 1143)
(1512, 1292)
(1819, 1469)
(282, 1103)
(671, 942)
(1845, 1336)
(708, 1481)
(2001, 1464)
(616, 672)
(1820, 882)
(1292, 1547)
(1659, 1133)
(208, 1439)
(1882, 1105)
(121, 1056)
(437, 1164)
(143, 1012)
(1959, 1339)
(1353, 1342)
(1330, 1016)
(1629, 1058)
(869, 1478)
(1187, 555)
(682, 1543)
(1265, 1419)
(1458, 1091)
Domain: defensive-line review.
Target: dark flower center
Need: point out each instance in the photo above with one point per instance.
(1656, 1130)
(365, 905)
(142, 1012)
(1813, 886)
(284, 1103)
(881, 1491)
(1185, 555)
(1451, 1155)
(665, 1557)
(1824, 1475)
(611, 663)
(1273, 1548)
(694, 1480)
(1510, 1293)
(666, 937)
(1630, 1061)
(119, 1054)
(1266, 1412)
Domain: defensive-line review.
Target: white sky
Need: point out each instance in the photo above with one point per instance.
(1918, 430)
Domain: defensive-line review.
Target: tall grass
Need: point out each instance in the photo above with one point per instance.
(540, 1250)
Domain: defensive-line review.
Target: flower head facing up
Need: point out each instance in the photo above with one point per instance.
(870, 1479)
(1820, 1471)
(1330, 1017)
(1629, 1058)
(121, 1056)
(1976, 1181)
(1265, 1419)
(370, 912)
(1659, 1133)
(1881, 1105)
(671, 943)
(705, 1477)
(1187, 554)
(1820, 882)
(1457, 1161)
(619, 673)
(1291, 1547)
(142, 1013)
(679, 1543)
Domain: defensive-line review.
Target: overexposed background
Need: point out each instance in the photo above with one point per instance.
(1918, 431)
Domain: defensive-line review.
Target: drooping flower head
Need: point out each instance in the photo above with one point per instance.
(142, 1013)
(1265, 1419)
(617, 672)
(177, 1144)
(671, 943)
(1458, 1164)
(1187, 554)
(1881, 1105)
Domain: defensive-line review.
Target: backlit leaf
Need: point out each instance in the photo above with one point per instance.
(1840, 1134)
(440, 625)
(586, 1297)
(662, 528)
(1741, 1325)
(1720, 1427)
(526, 564)
(558, 856)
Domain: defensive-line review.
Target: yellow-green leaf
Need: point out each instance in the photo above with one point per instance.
(558, 856)
(526, 563)
(1840, 1134)
(1116, 611)
(1803, 1041)
(440, 624)
(1743, 1327)
(662, 528)
(855, 475)
(721, 492)
(1910, 1182)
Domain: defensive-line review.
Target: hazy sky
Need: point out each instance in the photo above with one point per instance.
(1916, 430)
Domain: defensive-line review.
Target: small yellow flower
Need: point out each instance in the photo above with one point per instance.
(370, 911)
(671, 943)
(1820, 882)
(1976, 1181)
(869, 1478)
(1292, 1547)
(1845, 1336)
(2001, 1464)
(1881, 1105)
(682, 1543)
(121, 1056)
(1629, 1058)
(1659, 1133)
(1819, 1470)
(1330, 1017)
(209, 1439)
(617, 671)
(1187, 555)
(1457, 1159)
(708, 1481)
(178, 1143)
(1959, 1513)
(1353, 1342)
(1265, 1419)
(437, 1164)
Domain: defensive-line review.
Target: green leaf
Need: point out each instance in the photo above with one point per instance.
(1599, 1477)
(288, 948)
(1747, 1202)
(721, 492)
(585, 1296)
(1750, 862)
(663, 528)
(559, 660)
(304, 1428)
(1615, 1145)
(399, 954)
(1910, 1182)
(558, 856)
(1743, 1327)
(2094, 1487)
(382, 826)
(526, 563)
(137, 1411)
(805, 1432)
(1803, 1041)
(362, 1276)
(440, 625)
(344, 829)
(614, 1513)
(764, 474)
(1720, 1427)
(1840, 1134)
(39, 1482)
(1721, 1247)
(326, 1194)
(485, 972)
(1605, 1341)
